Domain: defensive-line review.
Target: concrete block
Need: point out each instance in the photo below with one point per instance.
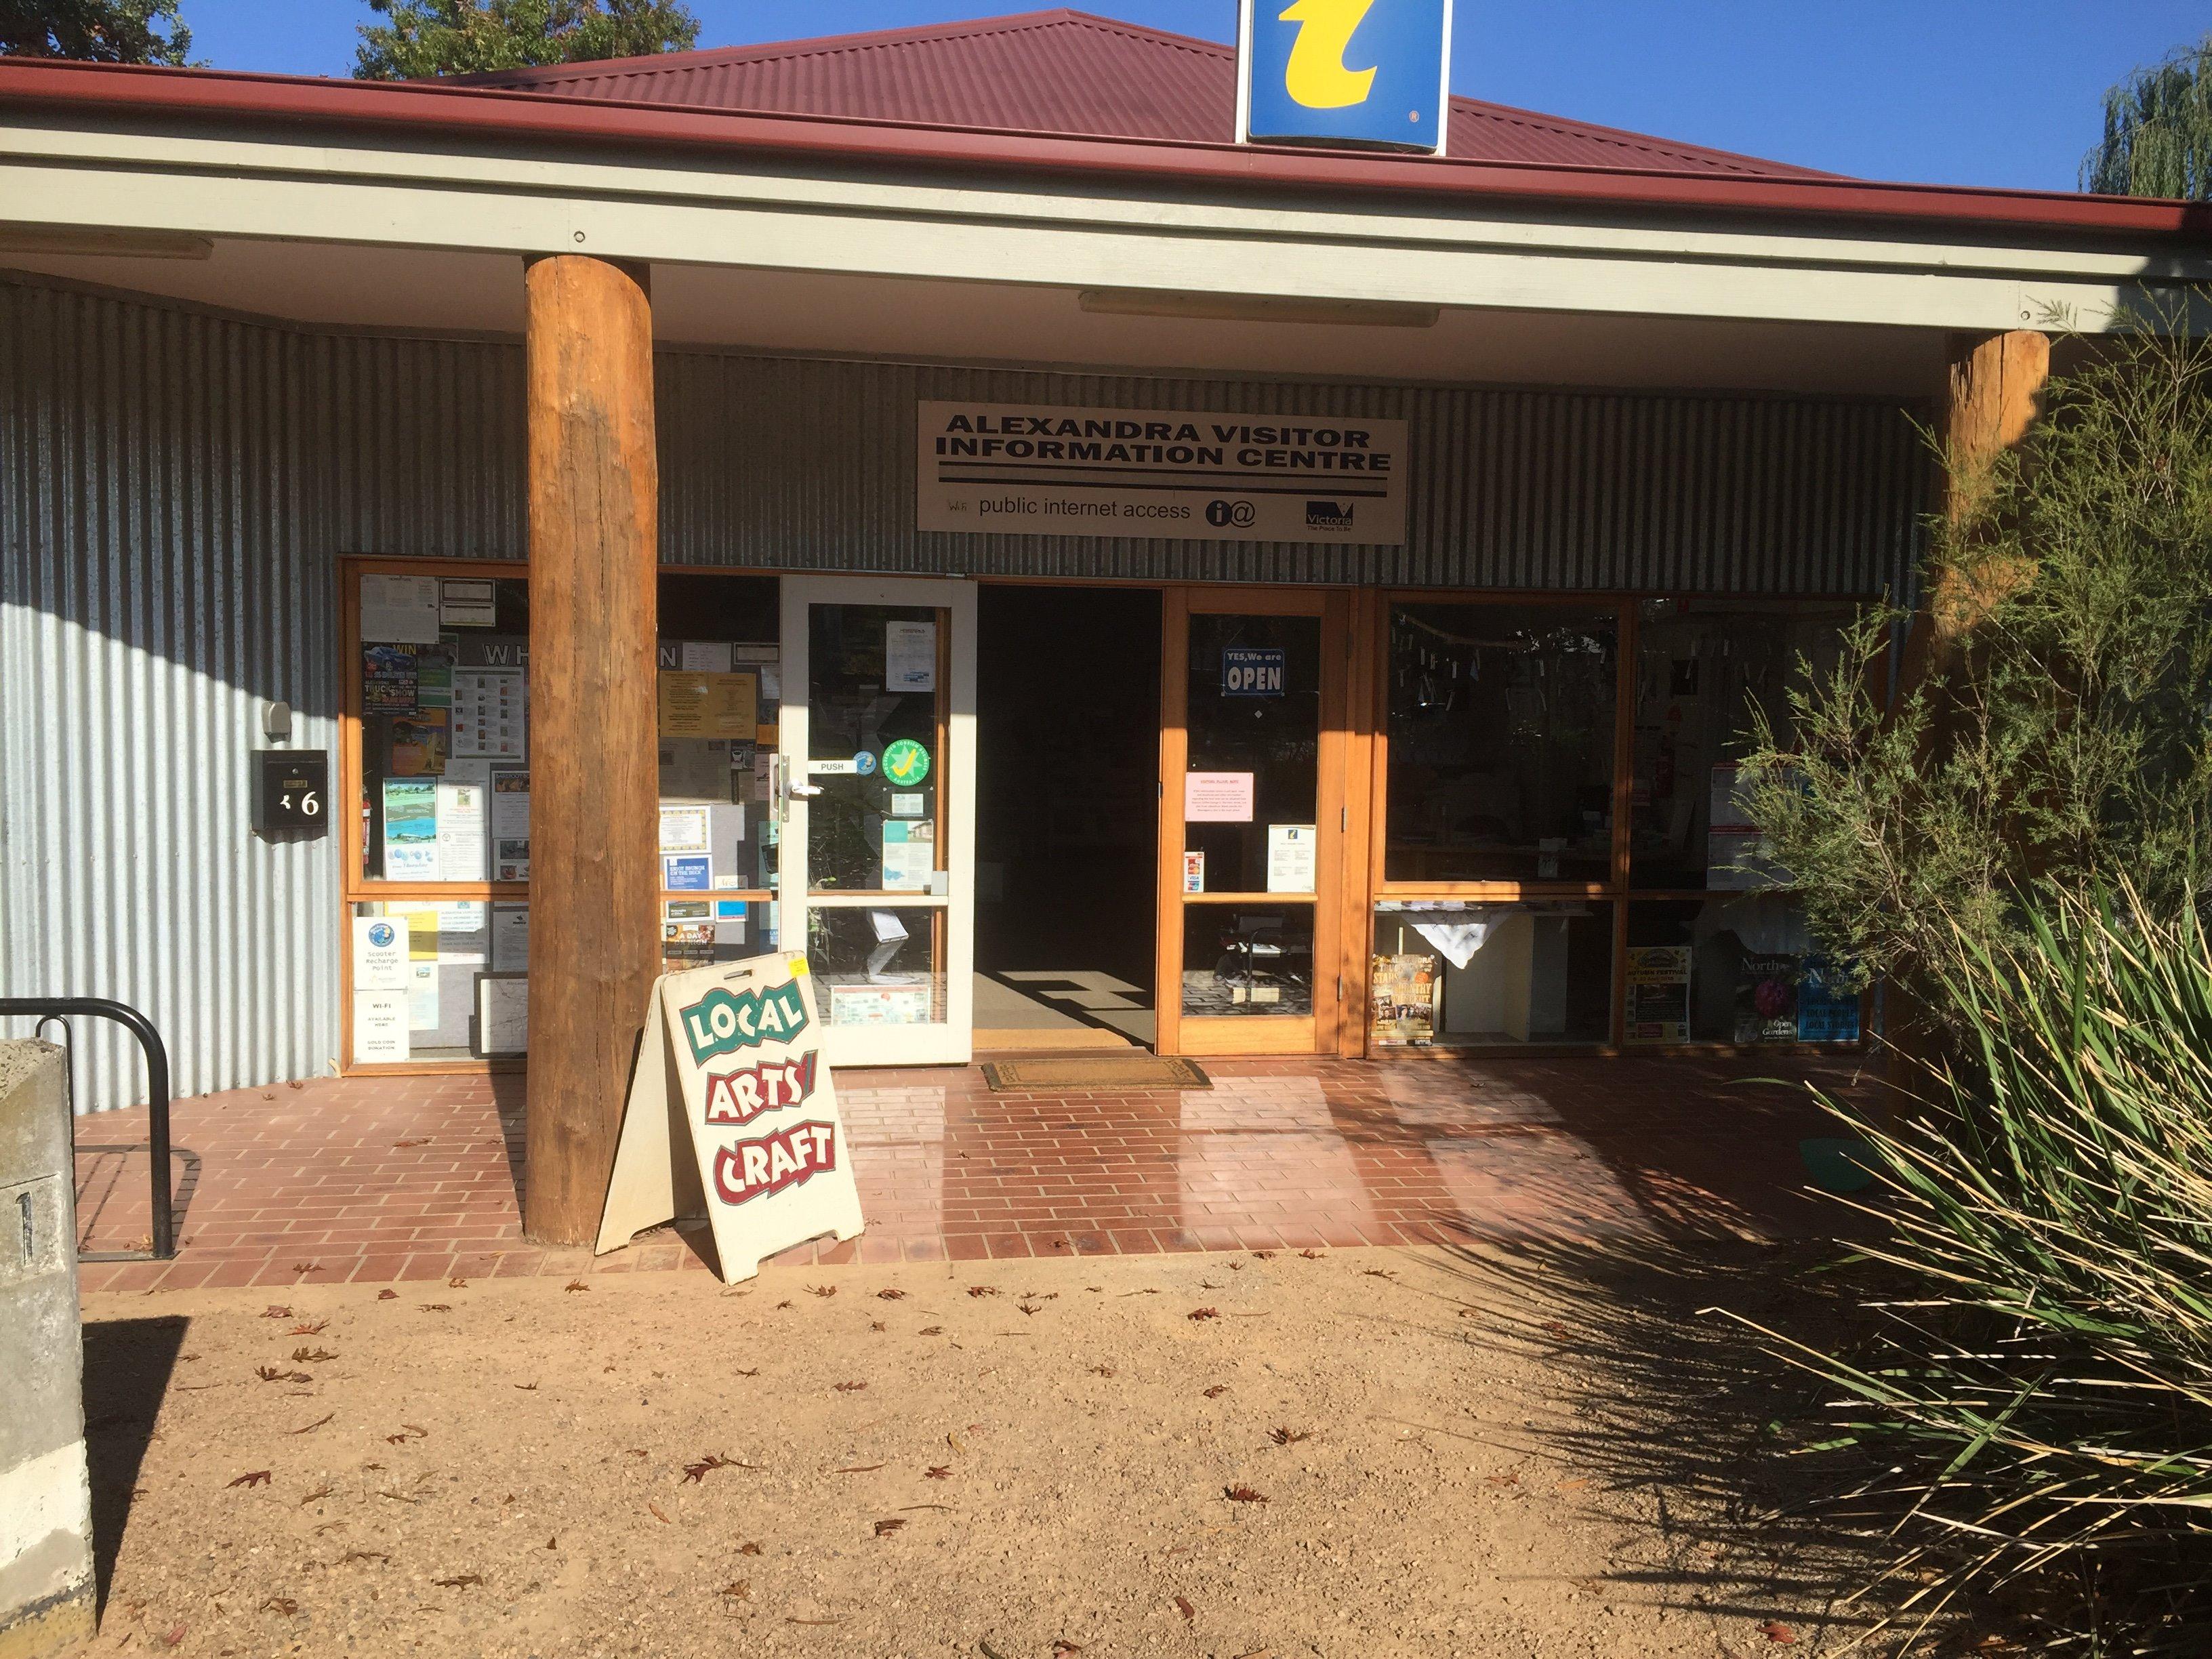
(46, 1584)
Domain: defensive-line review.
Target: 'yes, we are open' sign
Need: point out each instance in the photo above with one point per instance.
(731, 1073)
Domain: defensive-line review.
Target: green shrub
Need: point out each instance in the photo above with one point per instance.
(2063, 735)
(2041, 1378)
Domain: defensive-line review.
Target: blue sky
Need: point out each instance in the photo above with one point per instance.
(1983, 92)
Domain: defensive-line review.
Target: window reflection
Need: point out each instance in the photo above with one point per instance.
(719, 688)
(1737, 968)
(445, 711)
(1448, 974)
(1253, 719)
(1244, 960)
(876, 712)
(1700, 668)
(1501, 735)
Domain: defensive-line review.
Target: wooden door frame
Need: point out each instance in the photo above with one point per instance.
(1339, 887)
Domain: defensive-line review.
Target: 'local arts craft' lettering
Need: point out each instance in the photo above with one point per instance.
(747, 1169)
(741, 1097)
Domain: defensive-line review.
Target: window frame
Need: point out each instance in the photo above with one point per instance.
(355, 887)
(1617, 890)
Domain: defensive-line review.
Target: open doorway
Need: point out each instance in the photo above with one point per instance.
(1068, 779)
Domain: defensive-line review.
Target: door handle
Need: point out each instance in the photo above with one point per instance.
(806, 791)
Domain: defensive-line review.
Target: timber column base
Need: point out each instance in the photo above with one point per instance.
(595, 886)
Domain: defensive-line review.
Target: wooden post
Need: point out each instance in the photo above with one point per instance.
(595, 518)
(1995, 392)
(1997, 387)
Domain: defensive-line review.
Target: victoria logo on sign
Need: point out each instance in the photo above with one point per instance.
(1367, 73)
(721, 1021)
(1330, 516)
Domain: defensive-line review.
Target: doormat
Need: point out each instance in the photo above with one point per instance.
(1093, 1071)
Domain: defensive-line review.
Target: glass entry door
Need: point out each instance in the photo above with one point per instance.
(1252, 819)
(874, 785)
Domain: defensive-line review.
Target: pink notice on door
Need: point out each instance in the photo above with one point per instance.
(1217, 797)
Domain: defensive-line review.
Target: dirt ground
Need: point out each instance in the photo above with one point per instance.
(1357, 1452)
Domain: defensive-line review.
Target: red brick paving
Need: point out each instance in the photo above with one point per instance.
(408, 1179)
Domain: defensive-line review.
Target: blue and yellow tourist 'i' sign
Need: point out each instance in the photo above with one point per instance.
(1370, 73)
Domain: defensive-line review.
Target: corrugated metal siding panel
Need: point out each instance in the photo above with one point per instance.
(809, 464)
(173, 489)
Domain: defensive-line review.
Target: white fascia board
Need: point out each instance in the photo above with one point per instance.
(1097, 235)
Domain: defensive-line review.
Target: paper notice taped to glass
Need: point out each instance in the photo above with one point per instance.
(1217, 796)
(399, 609)
(379, 1028)
(1290, 858)
(910, 656)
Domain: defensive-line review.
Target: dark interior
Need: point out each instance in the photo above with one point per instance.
(1068, 706)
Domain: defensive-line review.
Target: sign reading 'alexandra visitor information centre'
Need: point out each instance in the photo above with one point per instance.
(1050, 471)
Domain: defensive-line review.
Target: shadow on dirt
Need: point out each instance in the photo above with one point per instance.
(128, 1363)
(1675, 1413)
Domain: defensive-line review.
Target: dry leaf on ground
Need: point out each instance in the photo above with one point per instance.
(707, 1464)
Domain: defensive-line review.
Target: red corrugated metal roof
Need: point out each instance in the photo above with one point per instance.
(1061, 71)
(344, 112)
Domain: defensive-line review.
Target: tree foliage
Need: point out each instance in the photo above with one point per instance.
(455, 37)
(95, 31)
(2158, 132)
(2063, 739)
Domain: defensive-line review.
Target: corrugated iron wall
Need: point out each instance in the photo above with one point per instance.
(176, 486)
(802, 464)
(173, 489)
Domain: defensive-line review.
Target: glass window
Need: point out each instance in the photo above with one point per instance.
(1501, 731)
(875, 967)
(1248, 960)
(439, 980)
(1700, 668)
(874, 749)
(1738, 968)
(445, 728)
(1482, 975)
(719, 690)
(1254, 758)
(698, 930)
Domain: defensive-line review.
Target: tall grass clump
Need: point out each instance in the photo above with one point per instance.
(2038, 1373)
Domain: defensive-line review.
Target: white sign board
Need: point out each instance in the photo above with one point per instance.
(379, 1028)
(1291, 849)
(731, 1112)
(380, 954)
(1033, 470)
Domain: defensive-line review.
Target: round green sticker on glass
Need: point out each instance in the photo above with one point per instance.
(905, 762)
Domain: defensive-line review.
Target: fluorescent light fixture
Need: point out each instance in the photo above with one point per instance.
(1254, 308)
(118, 244)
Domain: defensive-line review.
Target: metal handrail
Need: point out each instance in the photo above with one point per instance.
(157, 1102)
